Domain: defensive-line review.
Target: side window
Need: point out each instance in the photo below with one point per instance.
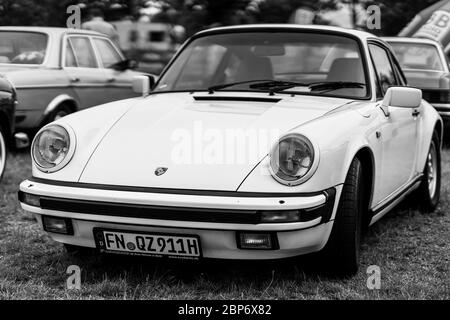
(71, 62)
(401, 78)
(84, 52)
(383, 68)
(108, 54)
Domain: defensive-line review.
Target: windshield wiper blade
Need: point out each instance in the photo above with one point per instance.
(278, 86)
(335, 85)
(260, 84)
(277, 83)
(226, 85)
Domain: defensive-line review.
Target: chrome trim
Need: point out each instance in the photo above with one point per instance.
(72, 147)
(309, 173)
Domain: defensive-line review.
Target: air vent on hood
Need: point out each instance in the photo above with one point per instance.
(227, 98)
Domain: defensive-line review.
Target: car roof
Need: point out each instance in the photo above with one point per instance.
(410, 40)
(363, 35)
(51, 30)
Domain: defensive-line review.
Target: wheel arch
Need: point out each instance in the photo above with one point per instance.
(367, 159)
(59, 100)
(439, 127)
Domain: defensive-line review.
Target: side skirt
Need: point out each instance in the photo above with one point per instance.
(379, 211)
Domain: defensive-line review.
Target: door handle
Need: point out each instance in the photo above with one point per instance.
(415, 113)
(110, 80)
(75, 79)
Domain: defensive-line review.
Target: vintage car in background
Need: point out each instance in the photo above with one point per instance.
(425, 66)
(7, 108)
(257, 142)
(58, 71)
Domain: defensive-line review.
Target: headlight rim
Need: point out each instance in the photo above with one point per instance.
(309, 173)
(70, 153)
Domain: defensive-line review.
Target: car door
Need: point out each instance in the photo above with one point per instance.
(85, 75)
(118, 83)
(398, 131)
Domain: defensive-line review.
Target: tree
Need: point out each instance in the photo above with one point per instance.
(395, 14)
(34, 13)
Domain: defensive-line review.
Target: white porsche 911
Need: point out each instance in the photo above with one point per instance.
(256, 142)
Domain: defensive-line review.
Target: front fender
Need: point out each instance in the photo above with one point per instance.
(429, 121)
(350, 133)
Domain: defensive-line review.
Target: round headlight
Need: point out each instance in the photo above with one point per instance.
(52, 148)
(293, 160)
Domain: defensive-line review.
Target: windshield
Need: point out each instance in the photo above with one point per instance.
(22, 47)
(421, 56)
(296, 57)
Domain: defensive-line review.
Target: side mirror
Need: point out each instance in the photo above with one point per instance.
(133, 64)
(143, 84)
(401, 97)
(125, 65)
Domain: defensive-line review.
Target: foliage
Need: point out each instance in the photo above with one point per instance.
(396, 14)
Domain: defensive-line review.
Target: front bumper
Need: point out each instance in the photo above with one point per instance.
(215, 217)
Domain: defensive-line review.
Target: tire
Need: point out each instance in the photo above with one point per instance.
(341, 253)
(3, 152)
(60, 112)
(428, 193)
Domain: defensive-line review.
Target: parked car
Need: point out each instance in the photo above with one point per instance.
(425, 66)
(7, 108)
(57, 71)
(348, 141)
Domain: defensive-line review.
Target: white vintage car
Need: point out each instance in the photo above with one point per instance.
(57, 71)
(257, 142)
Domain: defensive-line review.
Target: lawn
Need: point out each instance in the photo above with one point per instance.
(412, 249)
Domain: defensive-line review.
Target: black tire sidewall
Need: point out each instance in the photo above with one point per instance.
(342, 249)
(54, 113)
(427, 202)
(5, 140)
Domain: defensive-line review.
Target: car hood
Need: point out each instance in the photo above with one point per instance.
(209, 142)
(428, 79)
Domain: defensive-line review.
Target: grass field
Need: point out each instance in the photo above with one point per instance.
(412, 249)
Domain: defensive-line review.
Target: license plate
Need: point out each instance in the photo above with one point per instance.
(148, 244)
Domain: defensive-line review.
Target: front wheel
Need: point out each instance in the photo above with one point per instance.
(429, 191)
(341, 253)
(3, 152)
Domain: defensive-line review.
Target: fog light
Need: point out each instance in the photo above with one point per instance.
(30, 199)
(280, 216)
(57, 225)
(265, 241)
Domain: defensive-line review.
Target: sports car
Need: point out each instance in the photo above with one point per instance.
(57, 71)
(426, 67)
(257, 142)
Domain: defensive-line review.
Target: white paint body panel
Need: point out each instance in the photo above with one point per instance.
(121, 144)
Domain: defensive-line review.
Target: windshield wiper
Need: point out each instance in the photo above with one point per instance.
(260, 84)
(335, 85)
(274, 86)
(226, 85)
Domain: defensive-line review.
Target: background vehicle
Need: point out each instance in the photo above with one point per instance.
(7, 108)
(351, 142)
(425, 66)
(57, 71)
